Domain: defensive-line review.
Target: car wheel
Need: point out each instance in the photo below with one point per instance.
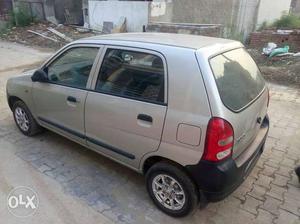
(24, 119)
(171, 189)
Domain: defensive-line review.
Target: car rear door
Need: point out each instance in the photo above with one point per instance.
(59, 103)
(125, 113)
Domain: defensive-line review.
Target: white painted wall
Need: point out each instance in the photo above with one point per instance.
(270, 10)
(136, 13)
(247, 11)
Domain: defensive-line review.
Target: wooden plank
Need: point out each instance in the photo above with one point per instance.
(42, 35)
(61, 35)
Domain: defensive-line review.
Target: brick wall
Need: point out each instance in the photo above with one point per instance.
(259, 39)
(196, 29)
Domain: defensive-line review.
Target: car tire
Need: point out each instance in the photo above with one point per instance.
(186, 198)
(24, 119)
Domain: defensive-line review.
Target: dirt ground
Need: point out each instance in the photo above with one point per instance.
(279, 70)
(22, 36)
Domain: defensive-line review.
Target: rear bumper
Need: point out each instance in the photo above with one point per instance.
(218, 180)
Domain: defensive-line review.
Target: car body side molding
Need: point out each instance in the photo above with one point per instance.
(92, 140)
(71, 131)
(111, 148)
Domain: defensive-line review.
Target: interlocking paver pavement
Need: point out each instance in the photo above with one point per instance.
(271, 193)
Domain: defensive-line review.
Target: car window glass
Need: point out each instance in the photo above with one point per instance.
(238, 78)
(73, 67)
(132, 74)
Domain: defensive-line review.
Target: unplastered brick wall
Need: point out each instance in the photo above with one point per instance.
(260, 39)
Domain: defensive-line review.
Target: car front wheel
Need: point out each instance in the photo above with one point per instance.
(24, 119)
(171, 189)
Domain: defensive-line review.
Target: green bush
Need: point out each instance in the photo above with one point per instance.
(263, 26)
(21, 16)
(287, 21)
(3, 31)
(4, 28)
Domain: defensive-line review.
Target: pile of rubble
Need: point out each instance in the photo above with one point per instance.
(271, 50)
(277, 52)
(283, 70)
(47, 35)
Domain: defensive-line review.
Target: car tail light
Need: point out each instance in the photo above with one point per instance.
(219, 140)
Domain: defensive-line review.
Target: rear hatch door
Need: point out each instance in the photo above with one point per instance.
(243, 92)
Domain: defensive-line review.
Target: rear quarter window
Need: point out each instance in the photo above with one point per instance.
(238, 78)
(132, 74)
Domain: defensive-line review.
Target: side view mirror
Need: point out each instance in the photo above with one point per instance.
(39, 76)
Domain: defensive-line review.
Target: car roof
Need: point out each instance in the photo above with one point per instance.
(171, 39)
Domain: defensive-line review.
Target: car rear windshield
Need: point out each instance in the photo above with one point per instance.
(238, 78)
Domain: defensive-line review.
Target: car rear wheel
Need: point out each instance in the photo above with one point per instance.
(24, 119)
(171, 189)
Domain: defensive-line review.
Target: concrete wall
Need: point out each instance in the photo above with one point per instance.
(54, 10)
(270, 10)
(204, 11)
(237, 16)
(161, 11)
(136, 13)
(234, 15)
(295, 7)
(49, 11)
(245, 21)
(42, 9)
(34, 7)
(74, 7)
(195, 11)
(85, 9)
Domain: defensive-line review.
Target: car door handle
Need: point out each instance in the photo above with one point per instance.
(145, 117)
(72, 99)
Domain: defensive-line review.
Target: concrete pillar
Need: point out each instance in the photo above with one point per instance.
(49, 11)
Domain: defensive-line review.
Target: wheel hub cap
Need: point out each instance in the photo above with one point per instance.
(168, 192)
(22, 119)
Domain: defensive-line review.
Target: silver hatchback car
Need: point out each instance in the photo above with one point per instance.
(189, 112)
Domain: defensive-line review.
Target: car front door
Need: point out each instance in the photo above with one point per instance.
(125, 113)
(59, 103)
